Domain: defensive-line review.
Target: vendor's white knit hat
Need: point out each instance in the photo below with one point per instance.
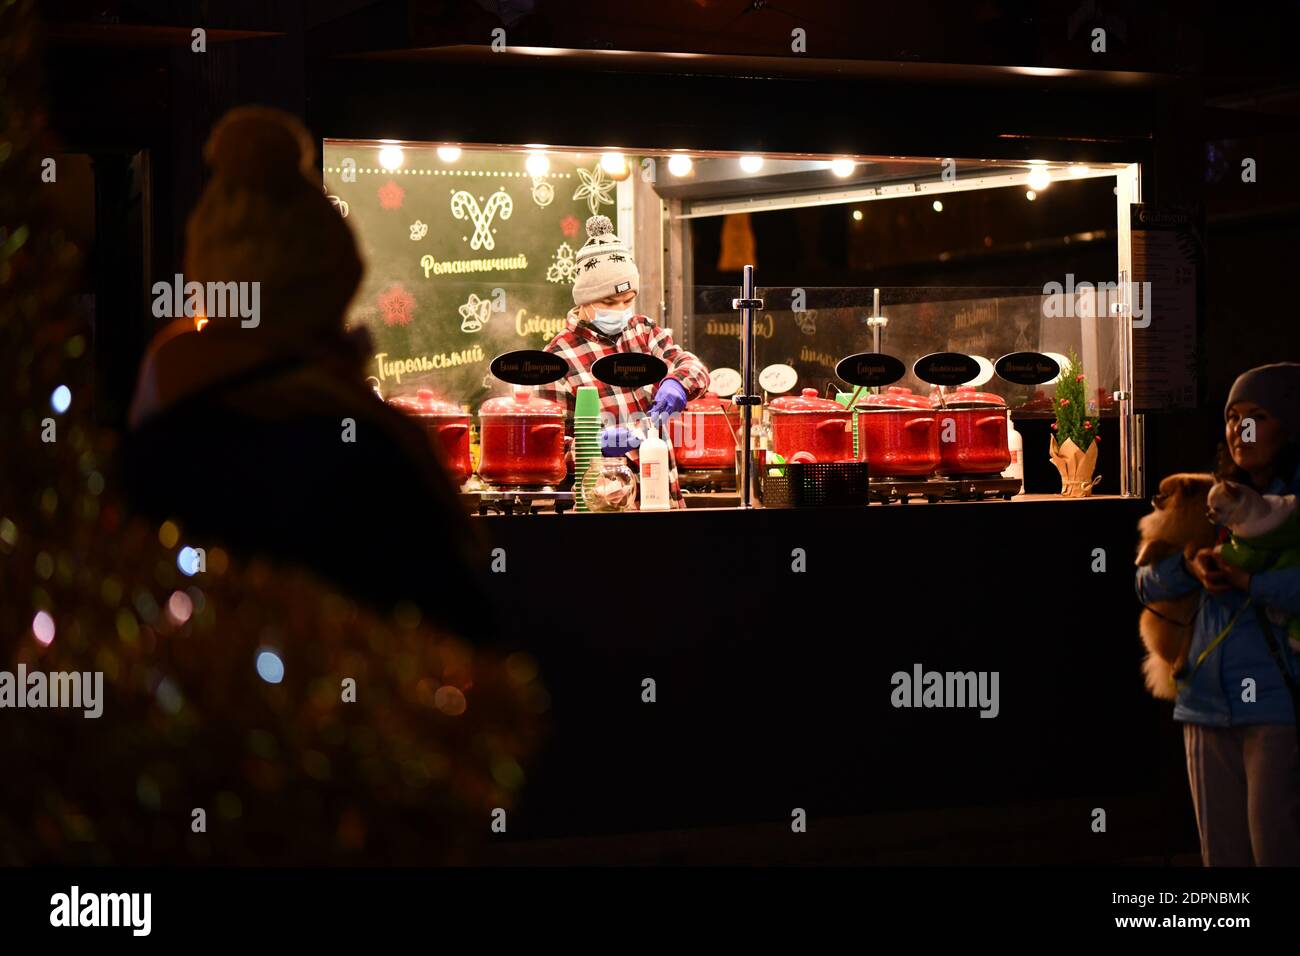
(604, 266)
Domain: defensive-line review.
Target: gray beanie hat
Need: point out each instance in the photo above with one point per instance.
(1275, 387)
(604, 266)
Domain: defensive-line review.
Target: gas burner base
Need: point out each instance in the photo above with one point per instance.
(934, 490)
(524, 500)
(707, 479)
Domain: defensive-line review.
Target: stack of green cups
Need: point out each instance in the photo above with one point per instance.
(586, 438)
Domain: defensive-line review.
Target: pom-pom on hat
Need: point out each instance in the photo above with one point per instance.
(264, 218)
(603, 265)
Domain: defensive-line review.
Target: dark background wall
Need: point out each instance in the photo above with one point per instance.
(1188, 89)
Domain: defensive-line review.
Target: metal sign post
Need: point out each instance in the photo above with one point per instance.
(747, 303)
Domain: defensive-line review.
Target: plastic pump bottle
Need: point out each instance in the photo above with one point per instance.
(653, 455)
(1016, 444)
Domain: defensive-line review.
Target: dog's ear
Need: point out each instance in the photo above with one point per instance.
(1149, 552)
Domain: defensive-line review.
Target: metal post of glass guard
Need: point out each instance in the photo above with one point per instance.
(875, 321)
(747, 303)
(1124, 395)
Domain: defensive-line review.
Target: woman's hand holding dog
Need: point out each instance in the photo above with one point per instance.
(1215, 576)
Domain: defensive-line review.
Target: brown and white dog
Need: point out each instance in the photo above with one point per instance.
(1178, 524)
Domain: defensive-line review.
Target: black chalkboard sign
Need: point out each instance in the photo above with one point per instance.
(529, 367)
(946, 368)
(1027, 368)
(467, 256)
(870, 369)
(630, 369)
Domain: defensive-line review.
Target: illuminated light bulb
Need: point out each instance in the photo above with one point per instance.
(937, 206)
(187, 561)
(199, 322)
(390, 157)
(615, 165)
(179, 607)
(537, 164)
(269, 667)
(1039, 178)
(842, 168)
(751, 164)
(1031, 195)
(61, 399)
(680, 165)
(1080, 170)
(43, 628)
(449, 154)
(857, 215)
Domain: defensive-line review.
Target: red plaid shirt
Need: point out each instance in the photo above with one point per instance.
(581, 346)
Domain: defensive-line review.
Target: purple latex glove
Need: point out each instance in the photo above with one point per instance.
(618, 440)
(670, 399)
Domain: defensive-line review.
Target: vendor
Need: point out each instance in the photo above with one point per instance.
(604, 322)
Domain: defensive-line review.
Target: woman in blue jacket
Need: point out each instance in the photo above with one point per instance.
(1239, 724)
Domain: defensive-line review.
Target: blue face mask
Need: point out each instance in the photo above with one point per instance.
(611, 321)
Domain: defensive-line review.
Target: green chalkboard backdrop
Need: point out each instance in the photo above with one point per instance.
(465, 258)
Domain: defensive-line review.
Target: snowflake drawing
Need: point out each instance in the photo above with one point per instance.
(474, 313)
(562, 267)
(596, 188)
(396, 305)
(419, 230)
(391, 195)
(543, 192)
(569, 226)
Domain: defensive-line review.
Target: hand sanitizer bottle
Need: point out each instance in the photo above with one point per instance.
(654, 472)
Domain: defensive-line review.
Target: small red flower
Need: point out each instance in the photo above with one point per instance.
(1064, 402)
(1078, 378)
(1096, 438)
(1087, 424)
(1053, 426)
(390, 195)
(569, 225)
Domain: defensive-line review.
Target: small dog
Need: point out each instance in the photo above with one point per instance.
(1178, 524)
(1265, 535)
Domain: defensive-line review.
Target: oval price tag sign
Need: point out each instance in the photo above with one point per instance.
(630, 370)
(529, 367)
(946, 368)
(777, 379)
(1027, 368)
(870, 369)
(725, 382)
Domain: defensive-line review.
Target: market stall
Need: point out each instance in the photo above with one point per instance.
(473, 255)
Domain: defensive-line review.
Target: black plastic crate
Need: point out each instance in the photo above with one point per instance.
(818, 484)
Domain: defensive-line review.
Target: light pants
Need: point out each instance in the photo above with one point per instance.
(1246, 792)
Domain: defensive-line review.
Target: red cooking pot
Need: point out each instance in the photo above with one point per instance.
(978, 431)
(522, 440)
(898, 433)
(818, 426)
(447, 426)
(702, 437)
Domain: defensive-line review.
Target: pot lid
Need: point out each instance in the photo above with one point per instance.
(521, 403)
(806, 401)
(967, 397)
(426, 404)
(896, 396)
(707, 403)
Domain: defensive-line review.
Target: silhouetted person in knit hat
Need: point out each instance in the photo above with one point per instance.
(239, 429)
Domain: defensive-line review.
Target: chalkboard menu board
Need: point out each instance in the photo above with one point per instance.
(465, 259)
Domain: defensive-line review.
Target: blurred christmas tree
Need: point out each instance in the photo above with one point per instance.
(305, 728)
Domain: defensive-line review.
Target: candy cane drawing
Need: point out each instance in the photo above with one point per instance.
(463, 205)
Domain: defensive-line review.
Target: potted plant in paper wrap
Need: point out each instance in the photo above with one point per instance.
(1074, 439)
